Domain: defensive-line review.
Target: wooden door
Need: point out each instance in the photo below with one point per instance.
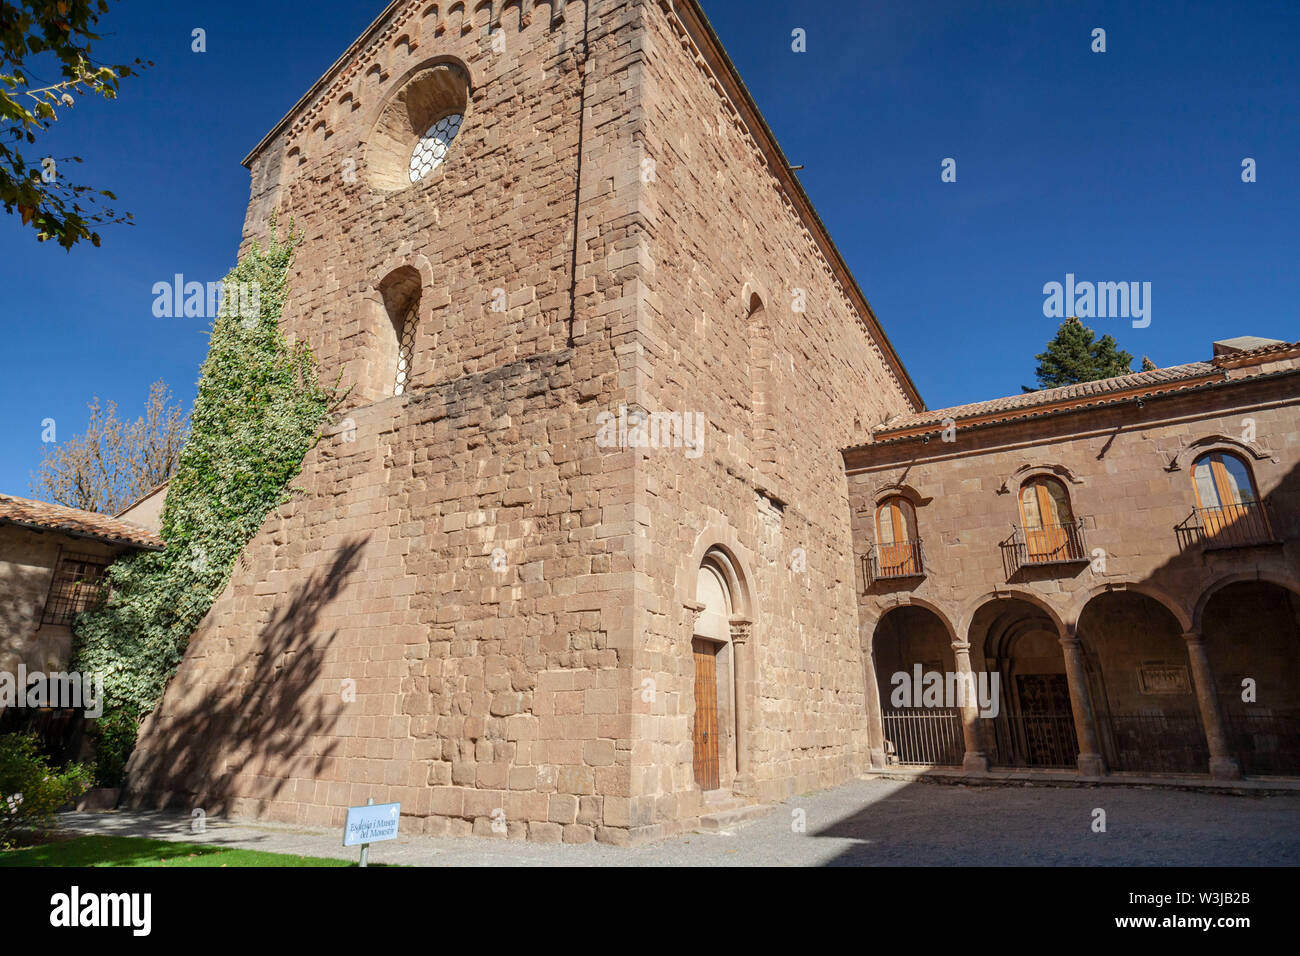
(706, 714)
(1047, 516)
(895, 534)
(1225, 494)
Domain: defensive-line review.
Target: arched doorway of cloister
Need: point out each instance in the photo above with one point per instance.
(913, 658)
(1252, 638)
(1141, 685)
(1034, 725)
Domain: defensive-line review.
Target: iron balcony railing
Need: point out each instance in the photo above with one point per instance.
(1051, 544)
(1234, 526)
(886, 561)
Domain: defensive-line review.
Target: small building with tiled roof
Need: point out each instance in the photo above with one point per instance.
(52, 564)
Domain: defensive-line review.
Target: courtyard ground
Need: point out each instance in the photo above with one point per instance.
(868, 822)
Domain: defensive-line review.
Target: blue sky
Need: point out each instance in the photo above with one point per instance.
(1115, 166)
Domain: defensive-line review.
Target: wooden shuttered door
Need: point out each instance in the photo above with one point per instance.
(706, 714)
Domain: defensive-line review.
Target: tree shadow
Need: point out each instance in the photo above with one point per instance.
(270, 711)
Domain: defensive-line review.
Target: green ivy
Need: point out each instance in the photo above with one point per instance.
(259, 410)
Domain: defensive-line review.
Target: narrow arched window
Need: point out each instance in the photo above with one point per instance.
(1226, 500)
(405, 343)
(898, 547)
(762, 393)
(1051, 533)
(401, 295)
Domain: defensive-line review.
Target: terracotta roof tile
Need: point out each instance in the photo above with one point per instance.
(1083, 393)
(49, 517)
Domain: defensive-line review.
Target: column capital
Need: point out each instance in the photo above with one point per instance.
(960, 646)
(741, 629)
(1193, 637)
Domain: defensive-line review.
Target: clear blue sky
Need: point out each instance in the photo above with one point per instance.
(1122, 166)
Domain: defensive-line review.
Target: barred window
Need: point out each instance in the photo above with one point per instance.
(432, 148)
(78, 586)
(405, 342)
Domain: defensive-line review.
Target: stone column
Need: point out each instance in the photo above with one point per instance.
(742, 659)
(976, 760)
(1085, 725)
(1223, 765)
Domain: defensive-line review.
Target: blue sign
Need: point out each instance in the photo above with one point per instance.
(371, 824)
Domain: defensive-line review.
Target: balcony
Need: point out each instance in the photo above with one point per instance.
(1051, 544)
(888, 562)
(1234, 526)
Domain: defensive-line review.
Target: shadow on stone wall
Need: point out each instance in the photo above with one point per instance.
(263, 723)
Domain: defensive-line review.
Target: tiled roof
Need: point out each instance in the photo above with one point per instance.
(47, 517)
(1082, 394)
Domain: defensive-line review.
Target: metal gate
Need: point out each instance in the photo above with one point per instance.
(925, 735)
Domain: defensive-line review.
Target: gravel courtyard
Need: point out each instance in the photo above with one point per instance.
(862, 823)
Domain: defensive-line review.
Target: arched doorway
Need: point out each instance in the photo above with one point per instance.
(913, 659)
(1252, 638)
(721, 668)
(1142, 686)
(1034, 725)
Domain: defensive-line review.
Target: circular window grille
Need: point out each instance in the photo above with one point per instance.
(432, 148)
(404, 352)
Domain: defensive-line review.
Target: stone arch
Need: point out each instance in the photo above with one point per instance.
(719, 543)
(872, 619)
(752, 294)
(401, 293)
(898, 489)
(1284, 581)
(1026, 471)
(1021, 637)
(902, 638)
(422, 95)
(1218, 442)
(1141, 682)
(1248, 631)
(763, 393)
(401, 283)
(973, 606)
(722, 682)
(518, 19)
(1161, 597)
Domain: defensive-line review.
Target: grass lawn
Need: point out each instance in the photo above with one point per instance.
(137, 851)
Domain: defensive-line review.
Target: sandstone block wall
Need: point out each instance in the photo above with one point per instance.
(779, 391)
(442, 616)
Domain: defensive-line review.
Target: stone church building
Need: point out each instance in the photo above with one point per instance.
(595, 549)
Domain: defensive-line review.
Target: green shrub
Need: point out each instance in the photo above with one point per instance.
(114, 740)
(258, 411)
(30, 789)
